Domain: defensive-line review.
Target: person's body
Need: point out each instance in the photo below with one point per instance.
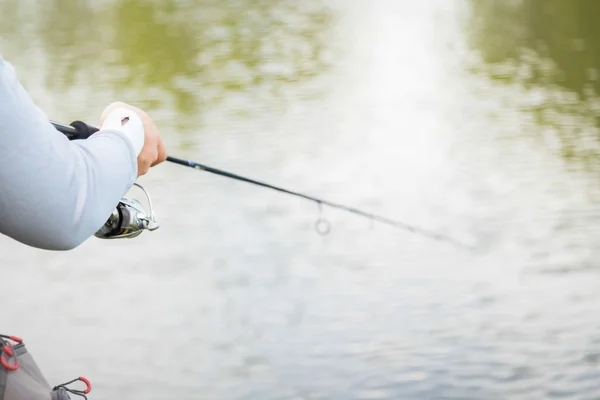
(56, 193)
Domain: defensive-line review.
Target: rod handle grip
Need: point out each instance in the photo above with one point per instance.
(83, 130)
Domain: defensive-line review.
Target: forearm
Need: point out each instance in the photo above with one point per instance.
(55, 193)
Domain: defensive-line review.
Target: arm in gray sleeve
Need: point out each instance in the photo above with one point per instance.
(55, 193)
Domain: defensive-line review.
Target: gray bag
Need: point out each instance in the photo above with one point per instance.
(21, 379)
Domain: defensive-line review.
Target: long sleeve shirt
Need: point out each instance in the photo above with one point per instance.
(56, 193)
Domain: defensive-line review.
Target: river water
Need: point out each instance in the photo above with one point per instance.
(476, 118)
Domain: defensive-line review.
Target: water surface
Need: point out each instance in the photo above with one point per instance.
(475, 118)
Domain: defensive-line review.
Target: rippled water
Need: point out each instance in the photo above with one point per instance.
(474, 118)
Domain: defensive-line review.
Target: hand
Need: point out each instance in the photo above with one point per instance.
(153, 152)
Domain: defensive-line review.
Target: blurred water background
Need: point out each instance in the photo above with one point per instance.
(475, 118)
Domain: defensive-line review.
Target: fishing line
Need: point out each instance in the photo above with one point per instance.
(80, 130)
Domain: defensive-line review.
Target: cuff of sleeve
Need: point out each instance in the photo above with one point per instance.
(133, 129)
(113, 134)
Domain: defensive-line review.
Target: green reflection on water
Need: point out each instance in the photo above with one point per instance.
(198, 51)
(551, 48)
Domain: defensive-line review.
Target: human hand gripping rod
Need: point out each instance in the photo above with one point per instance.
(130, 219)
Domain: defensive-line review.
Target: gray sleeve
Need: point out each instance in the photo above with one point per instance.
(55, 193)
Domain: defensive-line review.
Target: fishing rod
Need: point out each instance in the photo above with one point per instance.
(129, 226)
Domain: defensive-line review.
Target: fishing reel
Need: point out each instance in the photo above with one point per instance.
(129, 219)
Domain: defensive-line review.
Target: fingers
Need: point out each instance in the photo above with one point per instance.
(144, 164)
(143, 167)
(148, 156)
(162, 152)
